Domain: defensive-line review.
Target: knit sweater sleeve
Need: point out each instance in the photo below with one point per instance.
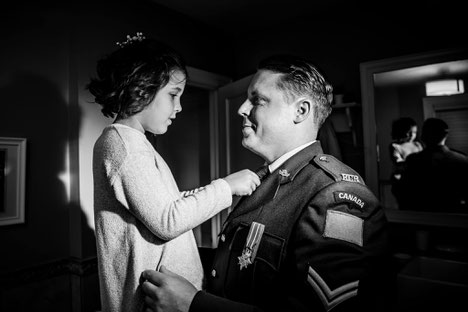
(143, 188)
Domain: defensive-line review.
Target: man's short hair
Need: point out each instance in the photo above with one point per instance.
(301, 77)
(434, 130)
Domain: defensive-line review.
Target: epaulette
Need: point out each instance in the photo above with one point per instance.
(336, 169)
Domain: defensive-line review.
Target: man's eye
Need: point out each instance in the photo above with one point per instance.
(257, 101)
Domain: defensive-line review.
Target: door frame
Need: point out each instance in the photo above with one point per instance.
(210, 82)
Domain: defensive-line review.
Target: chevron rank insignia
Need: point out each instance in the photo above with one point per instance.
(331, 297)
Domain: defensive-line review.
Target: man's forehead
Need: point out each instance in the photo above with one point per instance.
(263, 78)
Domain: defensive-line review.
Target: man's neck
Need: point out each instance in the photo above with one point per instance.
(278, 162)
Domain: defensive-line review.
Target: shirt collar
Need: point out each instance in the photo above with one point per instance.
(277, 163)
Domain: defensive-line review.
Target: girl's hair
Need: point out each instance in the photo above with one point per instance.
(129, 78)
(401, 129)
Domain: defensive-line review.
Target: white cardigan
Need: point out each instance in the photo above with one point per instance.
(142, 220)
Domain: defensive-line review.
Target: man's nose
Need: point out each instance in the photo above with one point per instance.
(244, 109)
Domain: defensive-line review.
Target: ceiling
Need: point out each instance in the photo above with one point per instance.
(242, 17)
(421, 73)
(238, 16)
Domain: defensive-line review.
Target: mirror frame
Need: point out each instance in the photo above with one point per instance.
(367, 72)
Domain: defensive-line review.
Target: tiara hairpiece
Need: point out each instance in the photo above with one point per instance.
(131, 39)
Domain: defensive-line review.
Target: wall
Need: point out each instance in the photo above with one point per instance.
(48, 53)
(34, 92)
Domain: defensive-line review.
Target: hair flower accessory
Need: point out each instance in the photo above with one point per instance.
(131, 39)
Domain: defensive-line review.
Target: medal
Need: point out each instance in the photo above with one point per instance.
(251, 245)
(244, 259)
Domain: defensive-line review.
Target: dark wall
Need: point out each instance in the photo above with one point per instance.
(34, 78)
(48, 53)
(343, 37)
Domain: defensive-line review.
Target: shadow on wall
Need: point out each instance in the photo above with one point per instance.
(38, 273)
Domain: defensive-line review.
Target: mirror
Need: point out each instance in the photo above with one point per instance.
(393, 88)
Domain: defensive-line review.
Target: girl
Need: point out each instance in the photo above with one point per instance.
(404, 132)
(404, 143)
(142, 220)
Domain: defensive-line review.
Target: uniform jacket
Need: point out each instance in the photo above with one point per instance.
(323, 244)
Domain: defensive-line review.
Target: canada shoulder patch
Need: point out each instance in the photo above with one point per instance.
(347, 197)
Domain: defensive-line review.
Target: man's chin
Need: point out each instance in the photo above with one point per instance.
(248, 144)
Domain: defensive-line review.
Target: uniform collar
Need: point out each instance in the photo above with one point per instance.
(291, 167)
(277, 163)
(285, 173)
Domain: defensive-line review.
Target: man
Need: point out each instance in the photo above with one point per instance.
(312, 237)
(435, 179)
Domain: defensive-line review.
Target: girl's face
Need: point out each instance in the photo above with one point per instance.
(158, 115)
(412, 133)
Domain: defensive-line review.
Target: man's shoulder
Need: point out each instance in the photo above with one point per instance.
(416, 157)
(336, 169)
(458, 154)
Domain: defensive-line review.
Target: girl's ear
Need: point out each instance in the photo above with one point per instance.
(303, 110)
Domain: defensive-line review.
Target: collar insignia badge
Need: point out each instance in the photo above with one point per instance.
(284, 173)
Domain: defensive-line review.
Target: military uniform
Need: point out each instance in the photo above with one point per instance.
(317, 240)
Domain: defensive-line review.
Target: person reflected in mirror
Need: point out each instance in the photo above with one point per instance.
(142, 220)
(435, 179)
(404, 142)
(312, 237)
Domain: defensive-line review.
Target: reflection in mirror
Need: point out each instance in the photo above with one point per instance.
(395, 88)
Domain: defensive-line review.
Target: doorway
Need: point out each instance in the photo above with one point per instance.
(454, 111)
(191, 147)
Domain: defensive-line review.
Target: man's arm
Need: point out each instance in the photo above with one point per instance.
(167, 291)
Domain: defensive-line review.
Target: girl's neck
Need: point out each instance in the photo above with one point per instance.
(130, 122)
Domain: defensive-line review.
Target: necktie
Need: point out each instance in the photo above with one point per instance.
(262, 172)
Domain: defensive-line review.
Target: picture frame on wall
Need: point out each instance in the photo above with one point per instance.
(12, 180)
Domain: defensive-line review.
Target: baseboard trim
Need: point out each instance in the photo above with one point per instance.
(72, 265)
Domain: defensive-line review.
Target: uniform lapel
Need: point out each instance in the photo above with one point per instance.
(269, 188)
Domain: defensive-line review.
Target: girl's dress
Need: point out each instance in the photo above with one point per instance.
(142, 219)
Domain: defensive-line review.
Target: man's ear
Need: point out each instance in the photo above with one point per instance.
(303, 109)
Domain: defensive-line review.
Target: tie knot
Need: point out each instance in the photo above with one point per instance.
(262, 172)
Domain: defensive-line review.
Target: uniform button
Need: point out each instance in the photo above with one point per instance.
(223, 238)
(213, 273)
